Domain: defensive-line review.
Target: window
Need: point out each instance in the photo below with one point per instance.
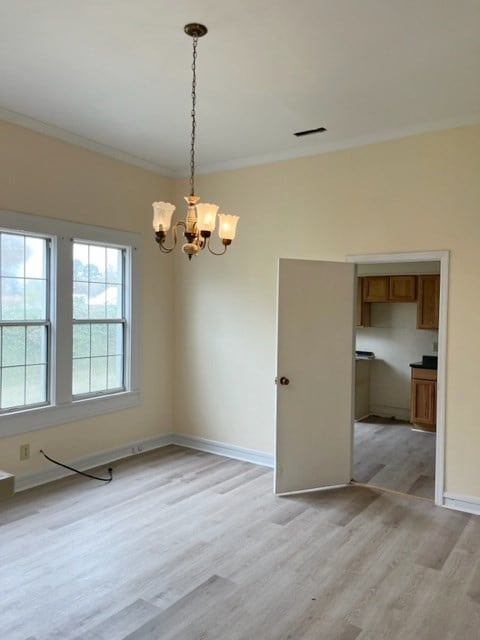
(68, 328)
(24, 320)
(99, 321)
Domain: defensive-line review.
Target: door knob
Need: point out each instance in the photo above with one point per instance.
(284, 381)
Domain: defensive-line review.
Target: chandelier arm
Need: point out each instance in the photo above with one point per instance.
(161, 242)
(165, 249)
(216, 253)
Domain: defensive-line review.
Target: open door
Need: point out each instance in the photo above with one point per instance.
(315, 336)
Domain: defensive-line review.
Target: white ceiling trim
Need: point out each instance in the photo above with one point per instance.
(328, 147)
(80, 141)
(240, 163)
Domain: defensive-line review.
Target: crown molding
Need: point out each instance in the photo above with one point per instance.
(79, 141)
(302, 151)
(299, 151)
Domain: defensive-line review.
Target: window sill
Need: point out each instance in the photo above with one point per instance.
(42, 417)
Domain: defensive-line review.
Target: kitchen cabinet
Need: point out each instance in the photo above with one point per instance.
(363, 308)
(389, 288)
(402, 288)
(428, 301)
(375, 288)
(424, 398)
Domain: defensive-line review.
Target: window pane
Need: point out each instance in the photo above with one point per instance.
(98, 375)
(114, 266)
(80, 261)
(35, 258)
(36, 345)
(115, 372)
(114, 301)
(81, 376)
(81, 341)
(98, 294)
(35, 299)
(13, 387)
(97, 307)
(12, 255)
(80, 300)
(115, 339)
(36, 384)
(13, 346)
(97, 259)
(99, 339)
(13, 299)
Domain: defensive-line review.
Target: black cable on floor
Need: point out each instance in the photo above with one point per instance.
(82, 473)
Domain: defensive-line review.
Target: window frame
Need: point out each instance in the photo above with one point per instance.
(46, 323)
(63, 406)
(123, 320)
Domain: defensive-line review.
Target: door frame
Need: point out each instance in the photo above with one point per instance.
(443, 257)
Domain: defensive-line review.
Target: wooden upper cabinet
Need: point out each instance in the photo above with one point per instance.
(363, 308)
(402, 288)
(428, 302)
(375, 288)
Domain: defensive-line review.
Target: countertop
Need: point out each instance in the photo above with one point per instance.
(420, 365)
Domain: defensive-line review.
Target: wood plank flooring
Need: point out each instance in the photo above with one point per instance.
(389, 454)
(186, 545)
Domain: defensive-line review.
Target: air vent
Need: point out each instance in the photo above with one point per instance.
(309, 132)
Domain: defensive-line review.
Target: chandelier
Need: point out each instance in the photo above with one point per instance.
(201, 216)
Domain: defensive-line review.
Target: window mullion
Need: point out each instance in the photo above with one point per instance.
(62, 326)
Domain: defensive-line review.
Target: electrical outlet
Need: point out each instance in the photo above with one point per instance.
(24, 451)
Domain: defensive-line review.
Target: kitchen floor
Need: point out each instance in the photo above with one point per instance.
(389, 454)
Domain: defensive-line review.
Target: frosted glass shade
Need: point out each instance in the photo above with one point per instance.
(228, 226)
(206, 215)
(162, 215)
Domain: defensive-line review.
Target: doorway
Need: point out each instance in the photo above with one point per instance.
(315, 371)
(387, 451)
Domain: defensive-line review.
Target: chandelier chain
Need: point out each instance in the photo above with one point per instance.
(193, 114)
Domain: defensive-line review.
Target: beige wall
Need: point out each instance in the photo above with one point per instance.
(414, 194)
(45, 176)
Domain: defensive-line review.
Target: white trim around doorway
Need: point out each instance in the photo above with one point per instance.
(443, 257)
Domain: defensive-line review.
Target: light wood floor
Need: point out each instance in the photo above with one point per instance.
(190, 546)
(389, 454)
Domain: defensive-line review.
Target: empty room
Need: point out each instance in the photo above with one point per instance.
(190, 193)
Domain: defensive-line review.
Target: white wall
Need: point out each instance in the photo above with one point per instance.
(396, 342)
(414, 194)
(45, 176)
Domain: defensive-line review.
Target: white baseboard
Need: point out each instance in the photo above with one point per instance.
(222, 449)
(37, 478)
(469, 504)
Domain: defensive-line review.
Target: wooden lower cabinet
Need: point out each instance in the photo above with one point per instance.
(424, 398)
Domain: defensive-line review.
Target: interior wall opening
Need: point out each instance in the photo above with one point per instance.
(396, 359)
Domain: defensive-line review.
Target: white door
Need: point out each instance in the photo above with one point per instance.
(315, 335)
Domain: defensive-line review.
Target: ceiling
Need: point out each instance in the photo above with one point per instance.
(115, 75)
